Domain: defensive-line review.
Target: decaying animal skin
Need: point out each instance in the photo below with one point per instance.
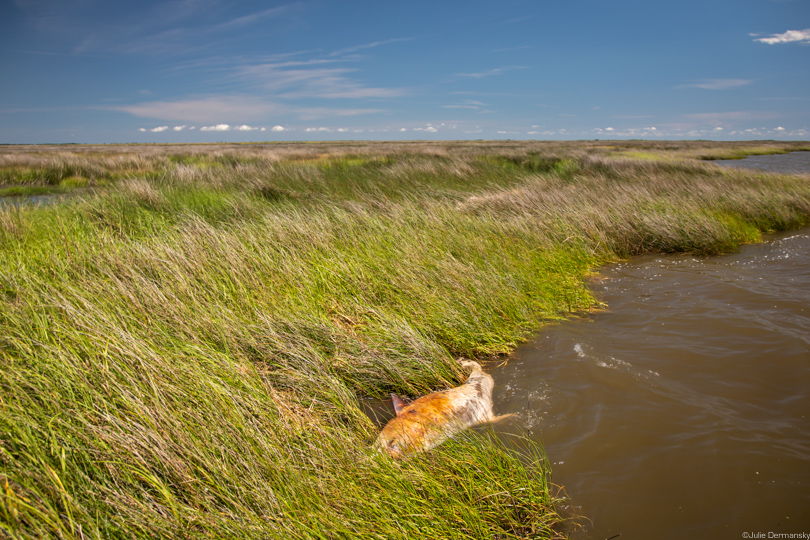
(430, 420)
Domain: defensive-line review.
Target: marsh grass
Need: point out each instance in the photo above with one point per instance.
(29, 191)
(183, 350)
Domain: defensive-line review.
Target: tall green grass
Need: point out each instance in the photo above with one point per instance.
(184, 349)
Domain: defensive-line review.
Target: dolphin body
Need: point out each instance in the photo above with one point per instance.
(432, 419)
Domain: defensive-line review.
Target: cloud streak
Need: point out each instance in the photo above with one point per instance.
(791, 36)
(253, 18)
(488, 73)
(731, 117)
(205, 110)
(467, 104)
(174, 27)
(367, 46)
(718, 84)
(312, 113)
(310, 78)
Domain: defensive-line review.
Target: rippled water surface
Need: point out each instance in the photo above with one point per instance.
(682, 411)
(794, 162)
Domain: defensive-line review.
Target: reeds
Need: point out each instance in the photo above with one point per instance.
(183, 348)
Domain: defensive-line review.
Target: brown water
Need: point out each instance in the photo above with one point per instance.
(684, 410)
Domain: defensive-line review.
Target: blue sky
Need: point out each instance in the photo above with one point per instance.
(96, 71)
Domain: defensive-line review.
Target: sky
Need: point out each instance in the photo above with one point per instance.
(119, 71)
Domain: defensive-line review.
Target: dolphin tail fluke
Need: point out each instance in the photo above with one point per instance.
(496, 419)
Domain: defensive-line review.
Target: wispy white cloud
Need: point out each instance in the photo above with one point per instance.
(473, 107)
(204, 110)
(367, 46)
(467, 104)
(358, 92)
(218, 127)
(278, 128)
(718, 84)
(310, 78)
(179, 128)
(159, 129)
(254, 18)
(235, 108)
(488, 73)
(791, 36)
(283, 76)
(172, 27)
(312, 113)
(731, 116)
(245, 128)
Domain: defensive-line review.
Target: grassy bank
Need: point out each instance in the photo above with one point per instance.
(184, 346)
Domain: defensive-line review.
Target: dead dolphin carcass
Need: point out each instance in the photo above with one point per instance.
(430, 420)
